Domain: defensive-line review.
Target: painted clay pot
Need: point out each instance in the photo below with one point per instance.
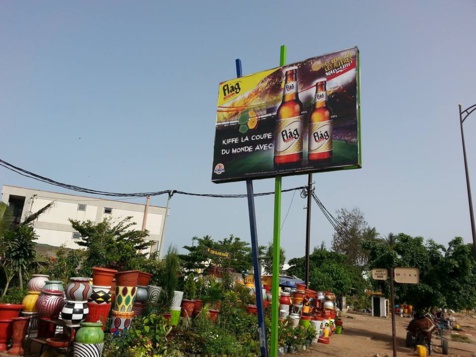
(50, 303)
(53, 285)
(29, 301)
(19, 328)
(100, 295)
(78, 289)
(89, 340)
(141, 295)
(138, 308)
(98, 313)
(177, 300)
(153, 293)
(74, 312)
(5, 333)
(10, 311)
(144, 278)
(103, 276)
(121, 322)
(37, 282)
(127, 278)
(125, 296)
(213, 314)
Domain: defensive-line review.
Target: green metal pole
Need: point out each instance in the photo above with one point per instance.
(276, 249)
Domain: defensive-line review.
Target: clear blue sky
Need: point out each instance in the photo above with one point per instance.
(121, 96)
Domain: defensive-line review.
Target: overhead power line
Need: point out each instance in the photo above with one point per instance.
(50, 181)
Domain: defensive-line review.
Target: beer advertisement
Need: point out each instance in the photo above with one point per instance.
(300, 118)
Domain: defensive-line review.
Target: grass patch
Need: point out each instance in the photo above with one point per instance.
(460, 338)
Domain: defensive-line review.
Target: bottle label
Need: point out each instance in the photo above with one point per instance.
(320, 137)
(290, 87)
(321, 97)
(288, 136)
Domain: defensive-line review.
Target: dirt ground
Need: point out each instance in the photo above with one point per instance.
(367, 336)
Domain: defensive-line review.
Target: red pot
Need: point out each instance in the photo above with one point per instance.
(213, 314)
(19, 328)
(197, 307)
(98, 312)
(10, 311)
(144, 278)
(103, 276)
(127, 278)
(5, 333)
(187, 308)
(253, 309)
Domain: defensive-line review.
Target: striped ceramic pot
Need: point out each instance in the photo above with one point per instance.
(37, 282)
(50, 303)
(78, 289)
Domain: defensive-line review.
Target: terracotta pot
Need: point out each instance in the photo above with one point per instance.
(167, 316)
(5, 333)
(50, 303)
(57, 342)
(10, 311)
(98, 312)
(127, 278)
(144, 278)
(187, 307)
(252, 309)
(197, 308)
(213, 314)
(19, 328)
(103, 276)
(300, 287)
(37, 282)
(78, 289)
(29, 301)
(284, 299)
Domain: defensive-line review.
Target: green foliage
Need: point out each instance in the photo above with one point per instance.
(330, 271)
(351, 233)
(65, 264)
(240, 259)
(111, 245)
(15, 295)
(268, 257)
(190, 287)
(447, 275)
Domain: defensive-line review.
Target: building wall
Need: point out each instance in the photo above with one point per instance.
(53, 226)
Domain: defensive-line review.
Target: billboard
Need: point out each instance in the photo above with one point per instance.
(300, 118)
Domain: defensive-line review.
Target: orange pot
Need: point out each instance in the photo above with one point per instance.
(103, 276)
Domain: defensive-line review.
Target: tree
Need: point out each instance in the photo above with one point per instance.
(268, 257)
(239, 256)
(112, 245)
(330, 271)
(17, 247)
(352, 231)
(446, 275)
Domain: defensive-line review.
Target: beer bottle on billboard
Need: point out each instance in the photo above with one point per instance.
(320, 127)
(288, 129)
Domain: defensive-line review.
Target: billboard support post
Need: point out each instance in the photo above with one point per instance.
(276, 247)
(255, 254)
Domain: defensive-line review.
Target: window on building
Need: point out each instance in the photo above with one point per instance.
(76, 235)
(107, 210)
(81, 207)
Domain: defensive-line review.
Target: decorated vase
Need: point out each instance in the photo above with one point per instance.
(101, 294)
(37, 282)
(29, 301)
(89, 340)
(19, 328)
(125, 296)
(74, 312)
(50, 303)
(78, 289)
(153, 293)
(121, 322)
(53, 285)
(98, 313)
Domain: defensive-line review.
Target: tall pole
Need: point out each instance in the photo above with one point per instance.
(162, 235)
(308, 226)
(462, 117)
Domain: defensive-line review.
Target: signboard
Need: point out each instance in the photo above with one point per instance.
(299, 118)
(218, 253)
(407, 275)
(379, 274)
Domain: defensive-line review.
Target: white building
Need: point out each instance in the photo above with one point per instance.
(53, 226)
